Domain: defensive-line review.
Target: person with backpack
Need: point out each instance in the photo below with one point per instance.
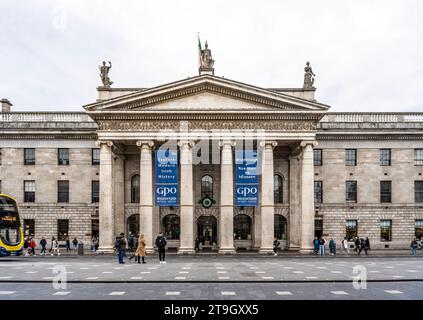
(276, 245)
(161, 246)
(43, 244)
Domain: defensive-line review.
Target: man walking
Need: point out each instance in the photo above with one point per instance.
(121, 248)
(357, 244)
(43, 243)
(197, 245)
(363, 246)
(276, 245)
(161, 246)
(345, 248)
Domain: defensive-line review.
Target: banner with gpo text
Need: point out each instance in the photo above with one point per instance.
(246, 183)
(167, 188)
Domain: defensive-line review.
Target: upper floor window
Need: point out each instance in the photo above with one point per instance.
(351, 191)
(63, 191)
(135, 189)
(95, 156)
(29, 191)
(385, 157)
(418, 157)
(318, 191)
(350, 157)
(278, 188)
(207, 187)
(63, 156)
(385, 191)
(317, 157)
(418, 191)
(95, 191)
(29, 156)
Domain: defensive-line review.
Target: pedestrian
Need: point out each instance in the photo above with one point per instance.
(93, 244)
(332, 247)
(26, 246)
(316, 245)
(413, 247)
(197, 245)
(322, 246)
(363, 246)
(368, 243)
(55, 247)
(276, 245)
(161, 246)
(134, 253)
(345, 248)
(121, 248)
(75, 243)
(141, 253)
(68, 248)
(357, 244)
(52, 242)
(43, 243)
(131, 242)
(32, 246)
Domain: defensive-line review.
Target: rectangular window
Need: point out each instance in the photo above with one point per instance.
(63, 191)
(317, 157)
(351, 191)
(95, 227)
(95, 156)
(29, 156)
(95, 189)
(63, 157)
(385, 191)
(419, 229)
(29, 191)
(351, 229)
(318, 191)
(418, 157)
(385, 157)
(385, 230)
(29, 227)
(350, 157)
(62, 229)
(418, 191)
(318, 228)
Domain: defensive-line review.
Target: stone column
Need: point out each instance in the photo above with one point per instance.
(146, 193)
(226, 221)
(119, 193)
(294, 221)
(106, 232)
(267, 197)
(187, 199)
(307, 196)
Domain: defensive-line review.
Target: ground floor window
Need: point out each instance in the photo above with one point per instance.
(419, 229)
(62, 229)
(318, 228)
(242, 227)
(280, 227)
(207, 230)
(172, 226)
(385, 230)
(29, 227)
(351, 229)
(133, 224)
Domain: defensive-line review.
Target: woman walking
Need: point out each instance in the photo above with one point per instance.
(140, 253)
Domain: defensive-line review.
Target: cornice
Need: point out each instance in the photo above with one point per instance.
(88, 136)
(364, 136)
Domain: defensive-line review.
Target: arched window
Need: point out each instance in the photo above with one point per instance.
(171, 226)
(280, 227)
(242, 227)
(278, 188)
(206, 186)
(135, 189)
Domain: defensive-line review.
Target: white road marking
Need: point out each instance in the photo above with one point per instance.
(186, 268)
(85, 268)
(92, 278)
(411, 270)
(311, 277)
(107, 272)
(61, 293)
(398, 277)
(259, 272)
(394, 291)
(7, 292)
(224, 278)
(222, 272)
(152, 268)
(173, 293)
(47, 278)
(284, 293)
(336, 271)
(374, 271)
(145, 272)
(220, 267)
(31, 272)
(117, 293)
(267, 278)
(5, 277)
(339, 292)
(297, 271)
(288, 268)
(228, 293)
(183, 272)
(180, 278)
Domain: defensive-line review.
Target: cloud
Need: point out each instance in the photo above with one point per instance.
(366, 55)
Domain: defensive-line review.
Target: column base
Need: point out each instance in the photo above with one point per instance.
(186, 251)
(150, 250)
(266, 251)
(306, 250)
(105, 250)
(227, 251)
(294, 247)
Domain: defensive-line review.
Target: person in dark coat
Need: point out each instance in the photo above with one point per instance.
(322, 246)
(197, 245)
(161, 246)
(276, 245)
(43, 243)
(363, 246)
(368, 243)
(121, 248)
(357, 244)
(332, 247)
(316, 245)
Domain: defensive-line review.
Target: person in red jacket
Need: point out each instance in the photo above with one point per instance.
(32, 246)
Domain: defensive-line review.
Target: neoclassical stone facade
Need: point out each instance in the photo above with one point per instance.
(321, 173)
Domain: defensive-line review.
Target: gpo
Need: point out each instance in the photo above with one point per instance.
(244, 191)
(164, 191)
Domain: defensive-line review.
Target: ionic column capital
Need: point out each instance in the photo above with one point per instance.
(98, 143)
(268, 144)
(226, 142)
(145, 143)
(305, 143)
(186, 143)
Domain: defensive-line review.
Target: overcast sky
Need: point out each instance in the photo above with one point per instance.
(367, 55)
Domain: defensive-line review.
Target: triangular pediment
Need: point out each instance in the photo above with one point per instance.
(205, 93)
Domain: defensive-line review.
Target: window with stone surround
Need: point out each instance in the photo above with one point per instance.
(351, 229)
(95, 191)
(351, 191)
(280, 227)
(385, 157)
(29, 191)
(63, 191)
(135, 189)
(62, 229)
(207, 186)
(385, 230)
(317, 157)
(418, 157)
(418, 229)
(318, 191)
(242, 227)
(63, 156)
(29, 227)
(418, 191)
(29, 156)
(350, 157)
(385, 191)
(95, 156)
(278, 188)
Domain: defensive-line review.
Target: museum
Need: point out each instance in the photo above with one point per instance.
(316, 173)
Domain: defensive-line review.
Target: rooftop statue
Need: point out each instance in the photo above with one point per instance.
(206, 57)
(104, 74)
(308, 77)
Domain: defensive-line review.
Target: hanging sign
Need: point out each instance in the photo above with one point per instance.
(167, 188)
(246, 184)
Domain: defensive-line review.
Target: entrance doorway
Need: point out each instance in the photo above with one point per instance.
(133, 224)
(207, 230)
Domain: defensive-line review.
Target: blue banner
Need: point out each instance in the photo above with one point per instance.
(167, 188)
(246, 184)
